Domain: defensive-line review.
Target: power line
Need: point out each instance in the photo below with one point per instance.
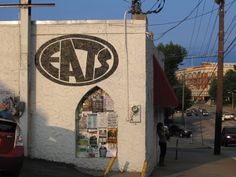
(158, 9)
(232, 42)
(191, 39)
(205, 36)
(193, 56)
(211, 36)
(154, 5)
(143, 1)
(164, 33)
(230, 50)
(126, 1)
(200, 23)
(190, 18)
(229, 33)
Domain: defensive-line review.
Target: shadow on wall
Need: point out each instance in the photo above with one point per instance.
(83, 144)
(60, 144)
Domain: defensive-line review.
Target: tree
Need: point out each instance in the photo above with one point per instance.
(229, 86)
(212, 90)
(174, 55)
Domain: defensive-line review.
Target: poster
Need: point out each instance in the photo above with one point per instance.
(97, 127)
(102, 119)
(108, 104)
(83, 121)
(92, 121)
(112, 135)
(112, 119)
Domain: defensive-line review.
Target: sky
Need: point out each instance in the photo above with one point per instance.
(193, 24)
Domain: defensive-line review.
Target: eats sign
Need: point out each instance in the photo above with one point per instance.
(76, 60)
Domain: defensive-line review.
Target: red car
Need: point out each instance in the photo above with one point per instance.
(11, 148)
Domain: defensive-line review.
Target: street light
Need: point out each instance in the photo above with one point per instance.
(183, 90)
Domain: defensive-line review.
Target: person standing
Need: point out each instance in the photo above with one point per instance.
(163, 136)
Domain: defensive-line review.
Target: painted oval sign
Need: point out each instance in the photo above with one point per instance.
(76, 60)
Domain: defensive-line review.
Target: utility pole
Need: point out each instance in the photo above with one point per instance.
(219, 98)
(24, 90)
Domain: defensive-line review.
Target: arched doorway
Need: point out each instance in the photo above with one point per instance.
(96, 125)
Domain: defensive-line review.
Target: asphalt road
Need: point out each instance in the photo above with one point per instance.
(203, 128)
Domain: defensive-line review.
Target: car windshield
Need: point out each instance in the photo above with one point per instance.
(230, 130)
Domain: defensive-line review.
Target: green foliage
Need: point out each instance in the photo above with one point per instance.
(229, 86)
(212, 90)
(174, 55)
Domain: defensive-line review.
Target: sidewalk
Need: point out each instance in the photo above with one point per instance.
(194, 160)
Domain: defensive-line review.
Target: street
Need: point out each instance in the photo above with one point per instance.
(203, 128)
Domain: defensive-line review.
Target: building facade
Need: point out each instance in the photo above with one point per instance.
(88, 88)
(198, 78)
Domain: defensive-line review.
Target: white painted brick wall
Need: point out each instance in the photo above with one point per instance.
(53, 105)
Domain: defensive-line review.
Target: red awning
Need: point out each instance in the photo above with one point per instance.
(163, 95)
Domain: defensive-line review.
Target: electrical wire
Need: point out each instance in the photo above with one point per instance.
(153, 5)
(231, 30)
(230, 5)
(193, 56)
(143, 1)
(200, 23)
(190, 18)
(170, 29)
(126, 1)
(207, 28)
(158, 9)
(230, 50)
(227, 51)
(191, 39)
(232, 42)
(211, 36)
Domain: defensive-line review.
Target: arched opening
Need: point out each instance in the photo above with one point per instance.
(96, 125)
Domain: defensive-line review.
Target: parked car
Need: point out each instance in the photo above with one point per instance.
(228, 135)
(195, 111)
(188, 112)
(11, 148)
(205, 112)
(227, 116)
(11, 143)
(175, 130)
(232, 115)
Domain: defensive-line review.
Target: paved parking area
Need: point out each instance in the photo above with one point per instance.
(42, 168)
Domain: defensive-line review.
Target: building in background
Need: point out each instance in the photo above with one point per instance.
(198, 78)
(94, 89)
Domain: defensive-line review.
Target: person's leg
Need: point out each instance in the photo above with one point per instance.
(162, 153)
